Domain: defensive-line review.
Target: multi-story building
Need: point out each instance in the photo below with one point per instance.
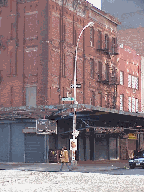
(37, 49)
(129, 90)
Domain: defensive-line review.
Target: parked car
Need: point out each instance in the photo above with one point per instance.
(137, 160)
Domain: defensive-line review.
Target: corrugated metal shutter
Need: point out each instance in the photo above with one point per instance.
(101, 149)
(112, 148)
(17, 143)
(4, 142)
(34, 148)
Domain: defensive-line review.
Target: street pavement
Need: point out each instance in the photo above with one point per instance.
(111, 167)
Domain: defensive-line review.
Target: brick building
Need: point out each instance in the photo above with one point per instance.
(129, 91)
(37, 52)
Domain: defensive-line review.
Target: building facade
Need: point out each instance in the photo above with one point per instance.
(129, 90)
(37, 54)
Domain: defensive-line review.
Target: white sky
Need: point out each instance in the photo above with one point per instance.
(96, 3)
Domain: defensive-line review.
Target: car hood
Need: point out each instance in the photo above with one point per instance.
(139, 158)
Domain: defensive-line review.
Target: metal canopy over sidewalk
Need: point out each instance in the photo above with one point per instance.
(104, 117)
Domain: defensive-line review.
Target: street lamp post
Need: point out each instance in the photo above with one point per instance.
(75, 102)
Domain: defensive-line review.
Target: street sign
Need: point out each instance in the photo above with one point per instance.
(68, 99)
(77, 86)
(45, 126)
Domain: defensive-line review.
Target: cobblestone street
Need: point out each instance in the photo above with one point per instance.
(28, 181)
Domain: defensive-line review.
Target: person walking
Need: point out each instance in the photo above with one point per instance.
(64, 158)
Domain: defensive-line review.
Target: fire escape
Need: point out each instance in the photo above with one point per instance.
(110, 78)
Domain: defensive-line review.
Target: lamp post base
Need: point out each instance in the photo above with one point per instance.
(73, 164)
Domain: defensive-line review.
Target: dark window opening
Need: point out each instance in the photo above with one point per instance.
(106, 42)
(92, 68)
(107, 72)
(93, 98)
(113, 45)
(100, 71)
(99, 40)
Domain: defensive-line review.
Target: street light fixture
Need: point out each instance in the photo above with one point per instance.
(90, 24)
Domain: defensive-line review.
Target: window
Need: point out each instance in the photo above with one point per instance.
(100, 71)
(63, 66)
(64, 32)
(106, 42)
(0, 21)
(93, 98)
(129, 104)
(121, 78)
(133, 82)
(107, 72)
(11, 5)
(12, 30)
(113, 45)
(31, 96)
(133, 104)
(136, 105)
(92, 36)
(100, 99)
(99, 40)
(92, 68)
(136, 82)
(121, 102)
(129, 80)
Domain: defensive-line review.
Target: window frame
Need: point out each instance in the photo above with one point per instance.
(122, 106)
(130, 81)
(122, 82)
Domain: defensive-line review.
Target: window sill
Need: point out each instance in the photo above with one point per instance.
(11, 75)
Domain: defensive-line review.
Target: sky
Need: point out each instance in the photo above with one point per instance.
(96, 3)
(129, 12)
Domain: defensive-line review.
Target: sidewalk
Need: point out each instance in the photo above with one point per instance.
(85, 166)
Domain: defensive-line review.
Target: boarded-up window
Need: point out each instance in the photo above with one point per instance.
(129, 104)
(133, 104)
(12, 54)
(129, 80)
(31, 96)
(92, 36)
(31, 25)
(121, 102)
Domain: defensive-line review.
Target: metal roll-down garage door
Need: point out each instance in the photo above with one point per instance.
(34, 148)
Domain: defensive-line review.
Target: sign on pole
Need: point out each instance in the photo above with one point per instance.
(73, 144)
(68, 99)
(77, 86)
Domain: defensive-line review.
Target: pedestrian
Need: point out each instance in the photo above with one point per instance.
(64, 158)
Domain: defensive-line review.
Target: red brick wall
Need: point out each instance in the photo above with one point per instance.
(126, 54)
(43, 66)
